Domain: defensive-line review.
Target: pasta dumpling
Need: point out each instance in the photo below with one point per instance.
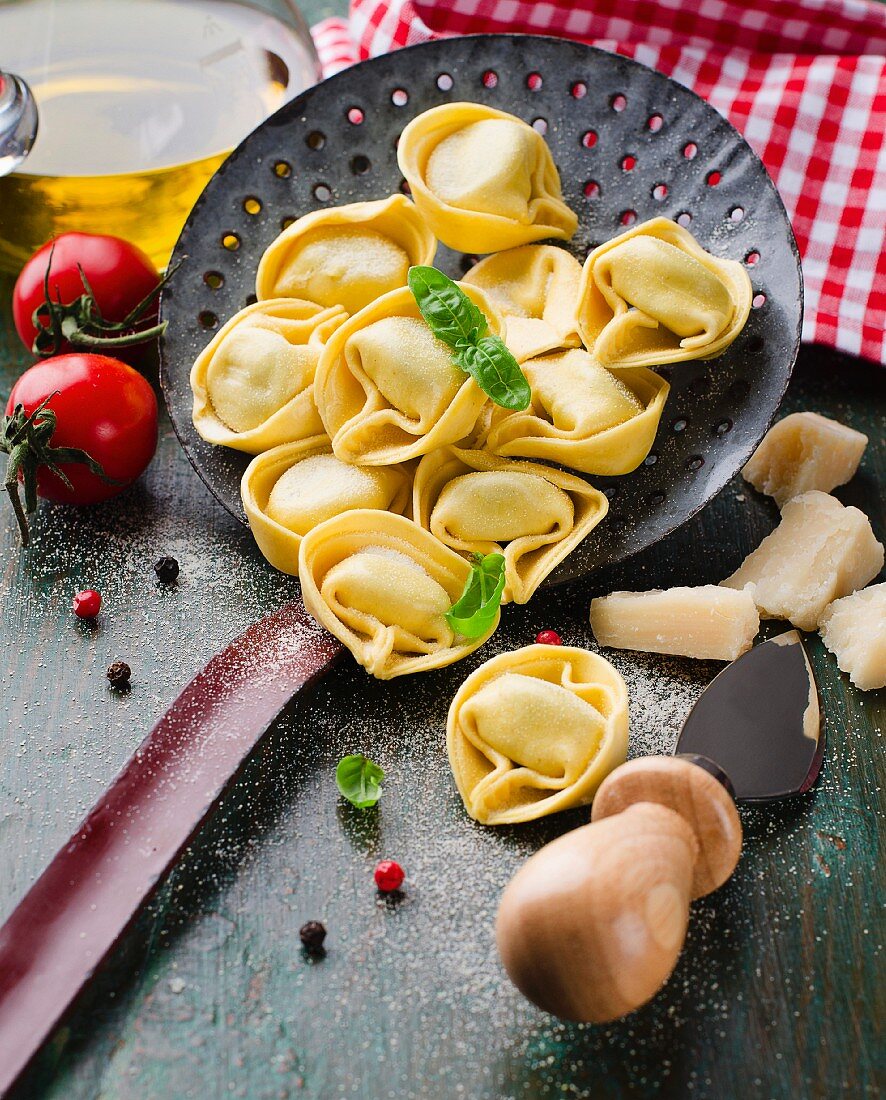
(289, 490)
(654, 295)
(388, 389)
(483, 180)
(383, 586)
(253, 383)
(346, 255)
(536, 731)
(535, 288)
(581, 415)
(478, 503)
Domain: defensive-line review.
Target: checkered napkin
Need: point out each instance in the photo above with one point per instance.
(804, 81)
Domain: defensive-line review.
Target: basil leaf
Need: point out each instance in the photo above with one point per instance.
(472, 615)
(359, 781)
(450, 313)
(496, 372)
(454, 319)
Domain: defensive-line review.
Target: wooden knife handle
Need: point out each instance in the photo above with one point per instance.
(592, 925)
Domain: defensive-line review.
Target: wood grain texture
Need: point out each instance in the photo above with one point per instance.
(693, 793)
(591, 927)
(776, 994)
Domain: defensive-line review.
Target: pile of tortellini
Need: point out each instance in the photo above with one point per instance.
(381, 467)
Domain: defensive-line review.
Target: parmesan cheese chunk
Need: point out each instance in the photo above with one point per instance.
(709, 621)
(802, 452)
(854, 630)
(820, 551)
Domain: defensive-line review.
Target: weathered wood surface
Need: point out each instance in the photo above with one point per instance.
(776, 995)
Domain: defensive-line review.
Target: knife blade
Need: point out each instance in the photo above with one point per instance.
(760, 721)
(74, 914)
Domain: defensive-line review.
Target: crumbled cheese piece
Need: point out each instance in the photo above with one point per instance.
(708, 621)
(802, 452)
(820, 551)
(854, 630)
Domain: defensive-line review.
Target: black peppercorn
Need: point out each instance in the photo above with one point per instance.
(312, 936)
(166, 570)
(118, 674)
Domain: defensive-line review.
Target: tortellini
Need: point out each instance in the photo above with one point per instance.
(346, 255)
(289, 490)
(388, 389)
(253, 384)
(478, 503)
(535, 288)
(383, 586)
(536, 731)
(653, 295)
(581, 415)
(483, 180)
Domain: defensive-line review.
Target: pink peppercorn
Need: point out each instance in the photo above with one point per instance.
(548, 637)
(87, 604)
(389, 876)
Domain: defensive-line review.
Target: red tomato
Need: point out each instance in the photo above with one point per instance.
(104, 408)
(119, 273)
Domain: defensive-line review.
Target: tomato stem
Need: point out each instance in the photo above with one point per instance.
(27, 438)
(80, 323)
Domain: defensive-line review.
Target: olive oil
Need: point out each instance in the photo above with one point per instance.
(139, 102)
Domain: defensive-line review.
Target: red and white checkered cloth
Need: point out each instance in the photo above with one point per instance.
(804, 81)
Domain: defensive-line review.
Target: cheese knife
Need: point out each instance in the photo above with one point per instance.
(592, 925)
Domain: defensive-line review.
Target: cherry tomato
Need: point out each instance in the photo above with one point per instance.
(103, 407)
(119, 274)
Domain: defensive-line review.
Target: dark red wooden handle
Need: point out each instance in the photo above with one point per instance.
(77, 910)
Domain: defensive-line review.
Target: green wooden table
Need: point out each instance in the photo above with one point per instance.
(775, 996)
(212, 996)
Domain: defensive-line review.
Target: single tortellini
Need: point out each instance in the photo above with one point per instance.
(580, 415)
(483, 180)
(388, 389)
(289, 490)
(653, 295)
(383, 586)
(535, 288)
(346, 255)
(533, 515)
(253, 384)
(536, 731)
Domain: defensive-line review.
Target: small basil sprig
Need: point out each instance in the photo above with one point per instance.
(359, 781)
(472, 615)
(461, 325)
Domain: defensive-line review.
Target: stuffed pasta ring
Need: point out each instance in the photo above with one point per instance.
(346, 255)
(536, 731)
(388, 389)
(580, 415)
(478, 503)
(383, 586)
(654, 295)
(253, 384)
(482, 179)
(535, 288)
(291, 489)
